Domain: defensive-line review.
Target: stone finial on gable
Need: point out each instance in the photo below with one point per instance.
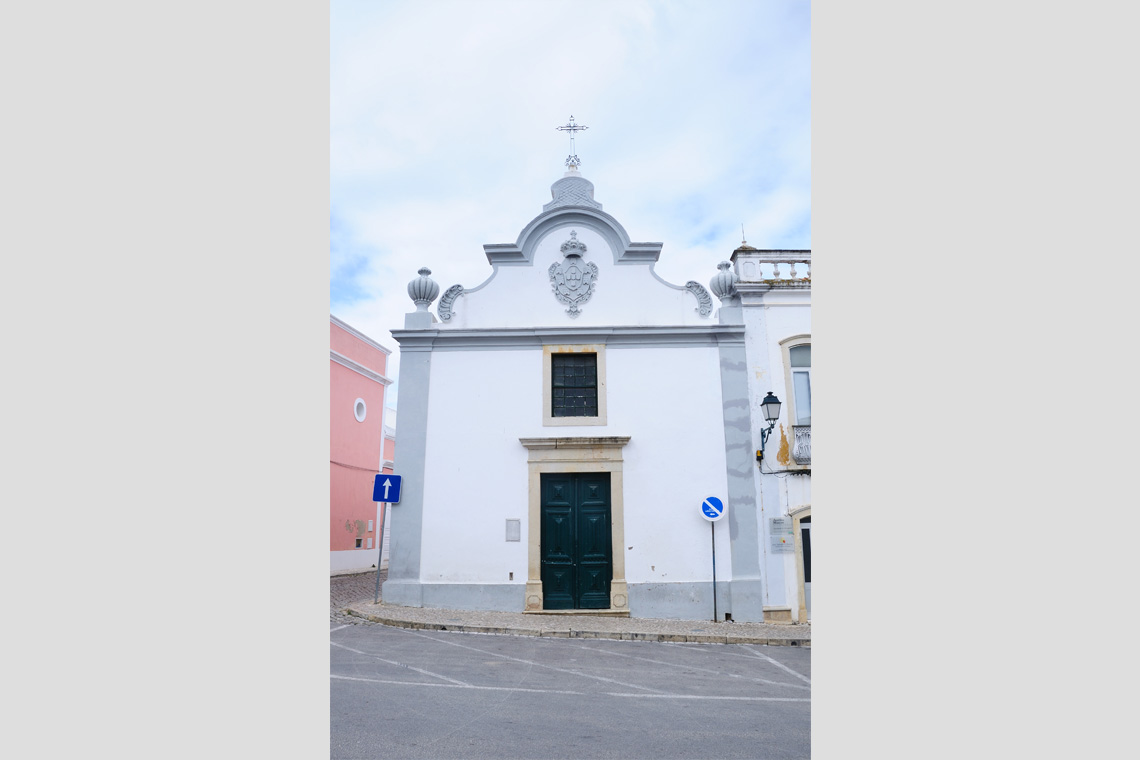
(723, 283)
(423, 290)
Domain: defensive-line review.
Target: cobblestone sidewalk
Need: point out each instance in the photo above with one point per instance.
(358, 592)
(346, 590)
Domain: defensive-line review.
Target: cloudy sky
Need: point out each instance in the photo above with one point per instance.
(443, 138)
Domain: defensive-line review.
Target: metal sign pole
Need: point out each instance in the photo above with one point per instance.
(712, 526)
(712, 509)
(386, 492)
(380, 553)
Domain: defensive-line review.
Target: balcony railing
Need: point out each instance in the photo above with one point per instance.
(801, 449)
(777, 268)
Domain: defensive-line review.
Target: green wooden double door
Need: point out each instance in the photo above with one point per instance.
(577, 551)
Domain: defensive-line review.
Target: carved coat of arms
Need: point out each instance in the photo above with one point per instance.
(572, 278)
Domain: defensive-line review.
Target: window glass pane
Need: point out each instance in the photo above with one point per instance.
(801, 381)
(800, 355)
(574, 378)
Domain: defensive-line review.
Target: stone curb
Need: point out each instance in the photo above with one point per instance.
(691, 638)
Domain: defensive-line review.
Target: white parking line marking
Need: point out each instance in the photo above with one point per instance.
(778, 664)
(572, 693)
(460, 686)
(339, 627)
(695, 696)
(401, 665)
(532, 663)
(693, 667)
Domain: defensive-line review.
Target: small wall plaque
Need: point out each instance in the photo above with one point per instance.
(783, 539)
(514, 530)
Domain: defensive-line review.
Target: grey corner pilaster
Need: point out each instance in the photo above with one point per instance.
(747, 599)
(404, 586)
(731, 313)
(419, 320)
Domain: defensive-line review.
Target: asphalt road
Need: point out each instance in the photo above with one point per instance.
(400, 693)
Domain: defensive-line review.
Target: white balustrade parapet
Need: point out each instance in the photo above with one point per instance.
(783, 269)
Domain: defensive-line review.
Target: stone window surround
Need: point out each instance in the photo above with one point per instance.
(786, 345)
(797, 514)
(548, 419)
(567, 455)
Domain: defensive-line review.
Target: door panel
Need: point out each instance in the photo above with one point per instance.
(576, 549)
(559, 579)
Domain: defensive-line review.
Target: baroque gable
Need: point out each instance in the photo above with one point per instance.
(570, 255)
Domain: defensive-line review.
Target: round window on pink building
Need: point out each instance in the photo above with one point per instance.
(360, 409)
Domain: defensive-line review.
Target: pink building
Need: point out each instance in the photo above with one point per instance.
(360, 447)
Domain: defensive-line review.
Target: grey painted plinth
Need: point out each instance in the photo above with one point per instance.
(480, 597)
(476, 597)
(693, 601)
(742, 599)
(747, 600)
(678, 601)
(403, 593)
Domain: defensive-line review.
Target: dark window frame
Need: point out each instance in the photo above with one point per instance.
(574, 385)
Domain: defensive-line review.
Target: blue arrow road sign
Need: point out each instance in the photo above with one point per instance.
(712, 509)
(387, 488)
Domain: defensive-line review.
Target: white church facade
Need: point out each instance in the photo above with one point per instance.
(563, 423)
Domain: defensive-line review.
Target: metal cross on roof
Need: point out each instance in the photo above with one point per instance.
(572, 159)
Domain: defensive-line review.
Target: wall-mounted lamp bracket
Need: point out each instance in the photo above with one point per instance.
(771, 407)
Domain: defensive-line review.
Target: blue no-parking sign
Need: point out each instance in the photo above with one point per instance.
(387, 488)
(712, 509)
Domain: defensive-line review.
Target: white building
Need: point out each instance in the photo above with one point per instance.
(562, 423)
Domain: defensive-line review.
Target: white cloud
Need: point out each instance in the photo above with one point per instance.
(443, 116)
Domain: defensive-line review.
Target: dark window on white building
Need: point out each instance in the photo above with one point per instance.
(574, 385)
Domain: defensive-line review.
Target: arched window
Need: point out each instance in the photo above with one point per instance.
(797, 375)
(799, 359)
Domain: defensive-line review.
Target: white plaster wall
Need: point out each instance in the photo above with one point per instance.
(788, 314)
(797, 492)
(352, 561)
(626, 294)
(766, 327)
(668, 400)
(794, 491)
(481, 402)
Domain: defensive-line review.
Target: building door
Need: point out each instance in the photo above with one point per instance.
(805, 539)
(576, 548)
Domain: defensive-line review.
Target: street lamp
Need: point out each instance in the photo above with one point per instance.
(771, 407)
